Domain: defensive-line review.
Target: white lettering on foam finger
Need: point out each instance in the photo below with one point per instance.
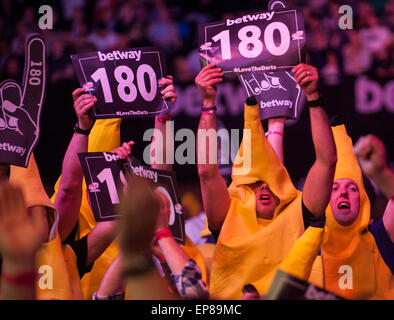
(5, 146)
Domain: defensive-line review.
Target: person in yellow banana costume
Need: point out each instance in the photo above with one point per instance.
(260, 216)
(358, 257)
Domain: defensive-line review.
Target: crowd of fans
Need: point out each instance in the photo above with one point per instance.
(252, 228)
(86, 25)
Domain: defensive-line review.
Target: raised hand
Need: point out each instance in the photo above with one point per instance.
(169, 91)
(21, 106)
(206, 82)
(164, 212)
(20, 234)
(307, 77)
(82, 104)
(371, 154)
(124, 150)
(138, 211)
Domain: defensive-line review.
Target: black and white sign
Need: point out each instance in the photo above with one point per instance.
(102, 174)
(20, 109)
(254, 42)
(164, 182)
(277, 93)
(106, 175)
(125, 82)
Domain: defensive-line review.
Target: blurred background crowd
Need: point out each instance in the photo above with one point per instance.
(90, 25)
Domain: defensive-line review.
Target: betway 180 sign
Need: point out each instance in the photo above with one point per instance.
(125, 82)
(265, 41)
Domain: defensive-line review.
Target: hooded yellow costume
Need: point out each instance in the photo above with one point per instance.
(298, 263)
(249, 249)
(58, 276)
(353, 246)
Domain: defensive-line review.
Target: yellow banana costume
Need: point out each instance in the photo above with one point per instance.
(353, 246)
(58, 276)
(105, 136)
(300, 260)
(249, 249)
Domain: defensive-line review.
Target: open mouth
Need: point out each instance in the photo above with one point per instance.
(344, 205)
(265, 198)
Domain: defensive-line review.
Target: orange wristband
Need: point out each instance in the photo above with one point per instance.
(165, 233)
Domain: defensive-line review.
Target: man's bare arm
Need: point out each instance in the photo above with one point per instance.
(161, 138)
(215, 196)
(69, 197)
(276, 128)
(318, 184)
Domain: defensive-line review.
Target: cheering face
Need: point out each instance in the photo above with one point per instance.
(345, 201)
(266, 201)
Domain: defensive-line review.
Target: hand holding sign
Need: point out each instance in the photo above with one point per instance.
(168, 93)
(164, 212)
(206, 82)
(308, 78)
(21, 106)
(124, 150)
(82, 104)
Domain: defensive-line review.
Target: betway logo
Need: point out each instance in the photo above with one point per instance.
(251, 17)
(276, 103)
(145, 173)
(120, 55)
(11, 148)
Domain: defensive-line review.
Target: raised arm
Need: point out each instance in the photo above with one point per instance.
(372, 157)
(215, 196)
(175, 257)
(161, 133)
(3, 172)
(139, 209)
(318, 184)
(20, 239)
(69, 197)
(276, 128)
(113, 283)
(371, 154)
(188, 283)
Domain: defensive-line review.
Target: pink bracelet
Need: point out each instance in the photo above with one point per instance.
(208, 112)
(274, 132)
(163, 119)
(27, 278)
(165, 233)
